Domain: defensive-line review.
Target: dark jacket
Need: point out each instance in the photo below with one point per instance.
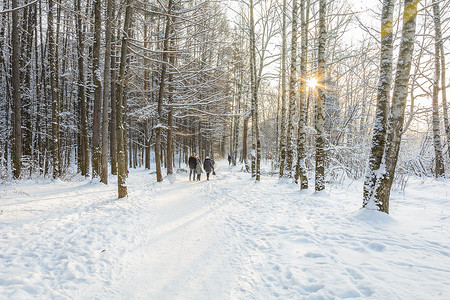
(208, 165)
(192, 162)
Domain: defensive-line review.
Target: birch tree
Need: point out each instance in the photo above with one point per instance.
(383, 96)
(292, 92)
(301, 171)
(439, 170)
(320, 100)
(283, 92)
(379, 198)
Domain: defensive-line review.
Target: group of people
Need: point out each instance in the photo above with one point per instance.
(195, 167)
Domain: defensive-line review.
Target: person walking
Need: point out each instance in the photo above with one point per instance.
(192, 165)
(229, 159)
(199, 170)
(208, 166)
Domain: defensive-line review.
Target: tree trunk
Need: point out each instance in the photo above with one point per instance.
(96, 149)
(236, 119)
(120, 107)
(383, 95)
(397, 112)
(54, 92)
(113, 125)
(106, 90)
(254, 79)
(319, 124)
(17, 100)
(82, 109)
(170, 146)
(301, 171)
(283, 93)
(165, 59)
(292, 91)
(244, 140)
(439, 171)
(146, 93)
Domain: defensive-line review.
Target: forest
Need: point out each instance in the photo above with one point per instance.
(321, 90)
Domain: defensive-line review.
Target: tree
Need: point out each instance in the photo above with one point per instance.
(301, 171)
(254, 92)
(319, 123)
(381, 191)
(120, 106)
(292, 91)
(54, 92)
(96, 74)
(165, 60)
(439, 170)
(83, 146)
(106, 92)
(17, 101)
(283, 92)
(384, 88)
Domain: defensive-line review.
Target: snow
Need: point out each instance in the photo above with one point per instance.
(227, 238)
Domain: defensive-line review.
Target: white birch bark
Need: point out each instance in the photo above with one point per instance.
(397, 111)
(383, 95)
(320, 100)
(439, 161)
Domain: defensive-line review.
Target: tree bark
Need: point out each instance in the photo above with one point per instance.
(439, 161)
(254, 91)
(292, 91)
(82, 108)
(283, 93)
(54, 92)
(17, 100)
(120, 106)
(170, 146)
(96, 149)
(301, 171)
(113, 124)
(320, 124)
(397, 111)
(383, 95)
(106, 93)
(165, 60)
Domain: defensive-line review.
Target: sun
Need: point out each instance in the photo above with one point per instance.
(312, 82)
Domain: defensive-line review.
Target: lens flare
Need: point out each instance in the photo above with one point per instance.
(311, 82)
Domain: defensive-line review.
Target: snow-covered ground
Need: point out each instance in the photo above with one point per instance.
(227, 238)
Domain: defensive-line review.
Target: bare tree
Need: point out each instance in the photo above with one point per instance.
(292, 91)
(283, 92)
(17, 101)
(320, 100)
(106, 92)
(439, 171)
(120, 106)
(383, 96)
(54, 92)
(301, 171)
(381, 193)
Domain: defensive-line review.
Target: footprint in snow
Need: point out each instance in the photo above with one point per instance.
(377, 247)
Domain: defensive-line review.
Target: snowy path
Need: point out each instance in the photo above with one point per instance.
(229, 238)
